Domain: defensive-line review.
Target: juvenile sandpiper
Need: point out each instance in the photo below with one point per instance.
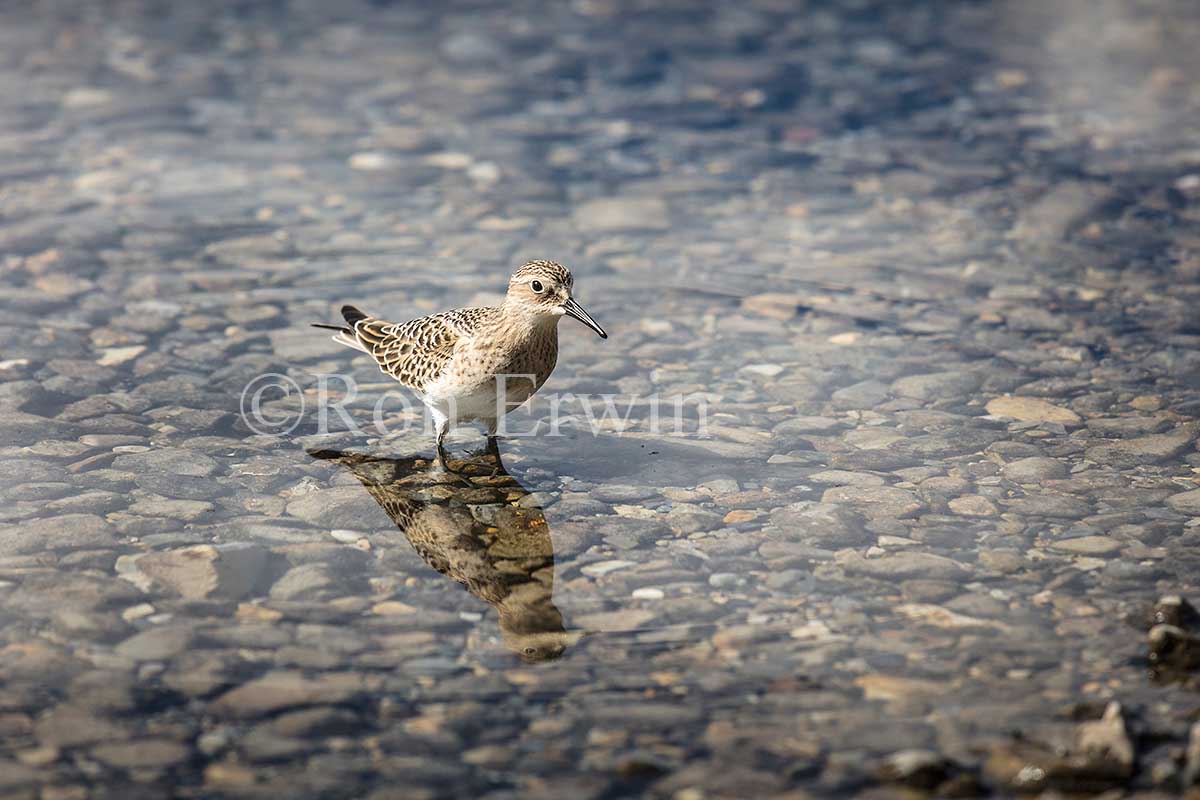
(460, 362)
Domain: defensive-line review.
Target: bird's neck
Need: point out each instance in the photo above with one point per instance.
(522, 323)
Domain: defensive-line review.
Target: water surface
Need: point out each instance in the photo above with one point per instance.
(932, 267)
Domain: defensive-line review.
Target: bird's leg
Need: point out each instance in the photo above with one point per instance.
(443, 428)
(493, 449)
(441, 447)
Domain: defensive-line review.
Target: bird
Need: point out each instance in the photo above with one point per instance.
(507, 561)
(474, 364)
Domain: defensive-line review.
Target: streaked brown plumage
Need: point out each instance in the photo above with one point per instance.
(452, 359)
(416, 352)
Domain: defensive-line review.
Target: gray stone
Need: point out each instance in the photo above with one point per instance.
(689, 519)
(15, 775)
(229, 571)
(822, 525)
(338, 507)
(1186, 502)
(319, 722)
(70, 726)
(631, 532)
(69, 531)
(1153, 449)
(17, 428)
(865, 394)
(944, 487)
(623, 493)
(904, 565)
(187, 510)
(141, 754)
(157, 644)
(103, 689)
(169, 460)
(875, 501)
(1027, 318)
(841, 477)
(806, 425)
(1051, 505)
(262, 744)
(1087, 545)
(920, 590)
(284, 689)
(305, 582)
(972, 505)
(1127, 427)
(937, 385)
(1035, 470)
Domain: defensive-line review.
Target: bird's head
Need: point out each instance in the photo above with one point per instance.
(543, 289)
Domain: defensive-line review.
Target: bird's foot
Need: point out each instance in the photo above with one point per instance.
(463, 479)
(493, 449)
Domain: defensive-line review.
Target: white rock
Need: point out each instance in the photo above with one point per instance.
(600, 568)
(119, 355)
(371, 162)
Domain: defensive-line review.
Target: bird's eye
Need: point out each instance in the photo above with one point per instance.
(531, 651)
(537, 286)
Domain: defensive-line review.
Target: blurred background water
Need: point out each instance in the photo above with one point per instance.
(932, 267)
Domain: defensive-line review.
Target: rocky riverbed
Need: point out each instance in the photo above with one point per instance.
(927, 273)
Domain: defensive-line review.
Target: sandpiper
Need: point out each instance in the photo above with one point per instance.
(474, 364)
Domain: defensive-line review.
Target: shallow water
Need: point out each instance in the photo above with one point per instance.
(926, 272)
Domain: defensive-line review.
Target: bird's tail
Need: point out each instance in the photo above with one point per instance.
(345, 335)
(352, 315)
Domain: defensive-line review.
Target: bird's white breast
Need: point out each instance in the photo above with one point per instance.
(478, 403)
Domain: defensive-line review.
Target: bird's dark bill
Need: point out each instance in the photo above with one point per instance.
(575, 311)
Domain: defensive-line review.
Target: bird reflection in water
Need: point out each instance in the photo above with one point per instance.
(472, 526)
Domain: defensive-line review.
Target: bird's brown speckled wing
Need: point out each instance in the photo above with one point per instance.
(417, 352)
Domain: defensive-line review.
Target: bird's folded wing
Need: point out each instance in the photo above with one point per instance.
(414, 353)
